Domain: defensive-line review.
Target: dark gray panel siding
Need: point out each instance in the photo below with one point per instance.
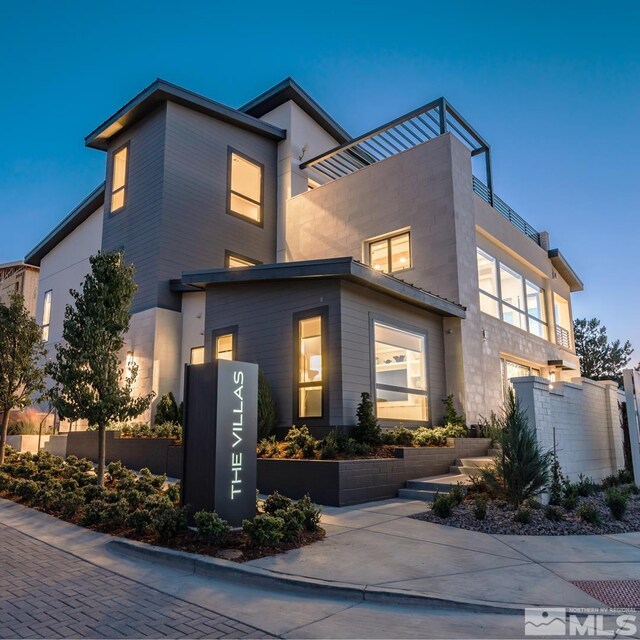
(136, 227)
(358, 305)
(263, 313)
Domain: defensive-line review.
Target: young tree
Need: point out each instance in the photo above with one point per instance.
(367, 429)
(21, 352)
(90, 383)
(599, 358)
(267, 409)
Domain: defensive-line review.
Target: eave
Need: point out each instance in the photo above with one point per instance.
(561, 265)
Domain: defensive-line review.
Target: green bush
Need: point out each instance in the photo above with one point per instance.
(557, 481)
(276, 502)
(330, 446)
(585, 487)
(299, 442)
(457, 493)
(211, 526)
(570, 502)
(26, 490)
(268, 447)
(588, 512)
(553, 513)
(173, 492)
(311, 513)
(610, 481)
(293, 523)
(625, 476)
(522, 515)
(140, 520)
(265, 530)
(442, 505)
(399, 436)
(616, 500)
(367, 429)
(267, 409)
(452, 417)
(167, 520)
(480, 507)
(167, 410)
(93, 513)
(533, 504)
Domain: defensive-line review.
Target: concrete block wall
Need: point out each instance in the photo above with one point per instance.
(585, 416)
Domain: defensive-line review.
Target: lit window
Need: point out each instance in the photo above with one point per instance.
(245, 189)
(197, 355)
(535, 310)
(488, 282)
(224, 347)
(512, 294)
(234, 262)
(310, 367)
(401, 374)
(563, 321)
(46, 315)
(510, 370)
(119, 179)
(391, 254)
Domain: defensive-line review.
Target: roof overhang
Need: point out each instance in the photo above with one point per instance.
(88, 206)
(16, 263)
(161, 91)
(338, 268)
(287, 90)
(563, 364)
(565, 270)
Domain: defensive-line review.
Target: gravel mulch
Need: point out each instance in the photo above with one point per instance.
(499, 519)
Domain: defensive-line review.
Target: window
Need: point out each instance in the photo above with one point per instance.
(245, 188)
(310, 367)
(234, 261)
(197, 355)
(510, 370)
(390, 254)
(46, 314)
(224, 346)
(563, 321)
(119, 178)
(400, 374)
(506, 295)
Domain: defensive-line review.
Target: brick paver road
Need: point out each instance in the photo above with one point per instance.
(47, 593)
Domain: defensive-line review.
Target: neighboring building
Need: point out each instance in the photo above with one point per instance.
(22, 278)
(339, 265)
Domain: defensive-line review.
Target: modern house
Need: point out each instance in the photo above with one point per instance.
(18, 277)
(340, 265)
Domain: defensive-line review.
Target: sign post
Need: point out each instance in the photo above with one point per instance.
(220, 436)
(632, 394)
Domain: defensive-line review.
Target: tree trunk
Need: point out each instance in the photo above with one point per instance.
(3, 434)
(102, 449)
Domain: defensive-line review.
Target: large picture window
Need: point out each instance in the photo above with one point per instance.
(506, 295)
(46, 314)
(245, 188)
(119, 178)
(390, 254)
(400, 374)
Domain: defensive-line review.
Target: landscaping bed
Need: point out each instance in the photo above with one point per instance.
(143, 507)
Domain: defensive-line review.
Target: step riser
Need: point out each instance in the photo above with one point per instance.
(412, 494)
(428, 486)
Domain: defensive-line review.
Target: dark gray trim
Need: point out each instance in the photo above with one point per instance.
(83, 211)
(345, 268)
(223, 331)
(161, 91)
(323, 420)
(234, 254)
(287, 90)
(565, 270)
(258, 223)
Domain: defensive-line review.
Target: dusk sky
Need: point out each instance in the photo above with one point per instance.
(553, 86)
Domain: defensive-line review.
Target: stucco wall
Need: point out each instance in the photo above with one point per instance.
(586, 421)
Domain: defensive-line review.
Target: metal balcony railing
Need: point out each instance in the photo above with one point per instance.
(506, 211)
(563, 337)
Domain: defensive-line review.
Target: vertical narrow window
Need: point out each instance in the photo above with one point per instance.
(512, 294)
(563, 321)
(119, 178)
(401, 374)
(46, 314)
(536, 311)
(488, 283)
(391, 254)
(245, 188)
(197, 355)
(224, 346)
(310, 373)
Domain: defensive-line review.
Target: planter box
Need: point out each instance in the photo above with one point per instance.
(27, 443)
(340, 483)
(159, 455)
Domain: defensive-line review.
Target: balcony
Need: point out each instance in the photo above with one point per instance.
(563, 337)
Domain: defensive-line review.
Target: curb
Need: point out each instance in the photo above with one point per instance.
(224, 569)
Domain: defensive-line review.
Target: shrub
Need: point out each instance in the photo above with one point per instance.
(167, 410)
(69, 504)
(532, 504)
(173, 493)
(268, 447)
(299, 443)
(588, 512)
(557, 481)
(570, 502)
(522, 468)
(276, 502)
(610, 481)
(26, 490)
(367, 429)
(442, 505)
(585, 487)
(434, 437)
(264, 530)
(457, 493)
(330, 447)
(522, 515)
(399, 436)
(92, 514)
(616, 500)
(267, 410)
(293, 523)
(167, 520)
(211, 526)
(553, 513)
(452, 417)
(140, 520)
(310, 512)
(625, 476)
(480, 507)
(115, 514)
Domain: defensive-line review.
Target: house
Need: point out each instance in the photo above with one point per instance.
(18, 277)
(267, 233)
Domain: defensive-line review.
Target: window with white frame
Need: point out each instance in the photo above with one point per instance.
(390, 254)
(510, 369)
(507, 295)
(400, 374)
(46, 314)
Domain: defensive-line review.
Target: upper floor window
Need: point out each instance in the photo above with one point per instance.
(46, 314)
(508, 296)
(197, 355)
(390, 254)
(245, 188)
(233, 261)
(119, 178)
(224, 346)
(563, 321)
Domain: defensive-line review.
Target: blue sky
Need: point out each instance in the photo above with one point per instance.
(553, 86)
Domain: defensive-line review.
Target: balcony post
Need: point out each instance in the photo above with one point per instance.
(487, 159)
